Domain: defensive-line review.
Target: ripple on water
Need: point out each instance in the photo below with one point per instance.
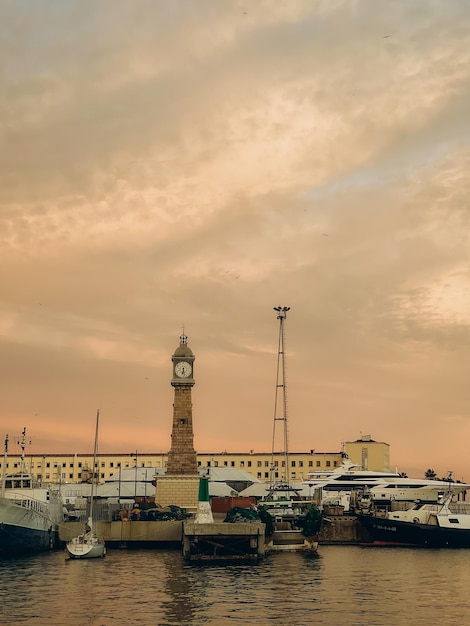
(346, 585)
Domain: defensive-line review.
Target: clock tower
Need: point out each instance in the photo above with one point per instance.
(182, 456)
(180, 484)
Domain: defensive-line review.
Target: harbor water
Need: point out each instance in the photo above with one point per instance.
(347, 585)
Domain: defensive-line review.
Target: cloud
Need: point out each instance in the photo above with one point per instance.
(196, 164)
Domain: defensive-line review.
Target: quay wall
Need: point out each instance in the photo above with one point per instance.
(129, 531)
(336, 529)
(342, 529)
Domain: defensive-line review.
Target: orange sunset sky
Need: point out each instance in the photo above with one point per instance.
(198, 162)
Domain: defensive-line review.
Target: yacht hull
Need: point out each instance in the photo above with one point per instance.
(24, 530)
(388, 532)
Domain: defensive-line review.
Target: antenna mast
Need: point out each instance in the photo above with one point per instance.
(281, 385)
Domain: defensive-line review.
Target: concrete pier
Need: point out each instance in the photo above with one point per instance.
(219, 541)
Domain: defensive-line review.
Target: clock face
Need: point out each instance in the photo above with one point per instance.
(183, 369)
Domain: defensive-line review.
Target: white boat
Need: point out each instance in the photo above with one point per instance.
(30, 514)
(352, 487)
(88, 545)
(435, 525)
(412, 489)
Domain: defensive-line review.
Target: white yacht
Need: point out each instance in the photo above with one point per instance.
(347, 484)
(344, 484)
(411, 489)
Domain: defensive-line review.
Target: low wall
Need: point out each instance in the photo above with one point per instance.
(148, 531)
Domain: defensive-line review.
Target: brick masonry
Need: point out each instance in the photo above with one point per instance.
(182, 456)
(180, 490)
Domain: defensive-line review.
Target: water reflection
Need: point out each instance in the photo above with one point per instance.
(345, 585)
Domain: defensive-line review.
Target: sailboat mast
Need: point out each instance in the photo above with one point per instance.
(281, 386)
(95, 455)
(5, 455)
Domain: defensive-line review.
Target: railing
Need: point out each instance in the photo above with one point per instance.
(29, 503)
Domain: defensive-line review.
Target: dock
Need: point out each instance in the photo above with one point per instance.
(234, 539)
(219, 541)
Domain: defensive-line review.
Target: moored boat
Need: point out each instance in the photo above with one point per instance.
(426, 524)
(29, 517)
(292, 523)
(30, 513)
(88, 545)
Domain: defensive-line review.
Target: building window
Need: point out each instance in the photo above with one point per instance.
(292, 463)
(301, 463)
(48, 465)
(70, 464)
(242, 463)
(249, 463)
(266, 464)
(266, 474)
(310, 463)
(318, 464)
(70, 475)
(259, 463)
(64, 464)
(258, 475)
(328, 464)
(80, 464)
(111, 464)
(232, 463)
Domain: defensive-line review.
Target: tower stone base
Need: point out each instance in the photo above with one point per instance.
(181, 490)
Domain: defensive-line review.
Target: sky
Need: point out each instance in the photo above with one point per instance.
(181, 164)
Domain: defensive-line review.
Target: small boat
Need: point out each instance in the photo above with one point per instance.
(426, 524)
(292, 522)
(30, 513)
(88, 545)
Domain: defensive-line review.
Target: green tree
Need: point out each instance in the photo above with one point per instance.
(430, 474)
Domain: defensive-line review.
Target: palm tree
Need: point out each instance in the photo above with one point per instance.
(430, 474)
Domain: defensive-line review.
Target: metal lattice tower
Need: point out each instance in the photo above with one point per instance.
(280, 401)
